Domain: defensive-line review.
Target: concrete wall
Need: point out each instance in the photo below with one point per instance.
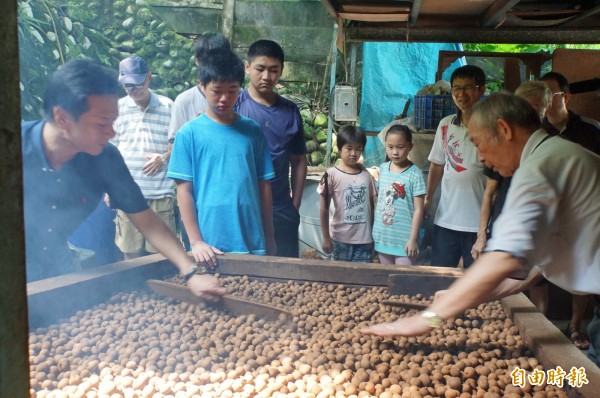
(14, 352)
(302, 27)
(192, 20)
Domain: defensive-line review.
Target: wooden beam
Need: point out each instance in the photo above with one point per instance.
(549, 345)
(397, 32)
(330, 9)
(373, 9)
(228, 17)
(14, 349)
(374, 17)
(414, 13)
(543, 13)
(59, 297)
(496, 12)
(440, 22)
(581, 16)
(353, 52)
(513, 21)
(323, 271)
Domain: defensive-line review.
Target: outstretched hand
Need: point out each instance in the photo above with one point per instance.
(412, 326)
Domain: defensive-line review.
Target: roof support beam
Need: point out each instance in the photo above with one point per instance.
(414, 13)
(391, 17)
(374, 8)
(581, 16)
(495, 13)
(472, 35)
(330, 9)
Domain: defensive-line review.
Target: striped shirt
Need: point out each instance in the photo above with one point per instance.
(142, 132)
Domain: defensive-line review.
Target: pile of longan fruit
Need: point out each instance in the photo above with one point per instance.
(138, 344)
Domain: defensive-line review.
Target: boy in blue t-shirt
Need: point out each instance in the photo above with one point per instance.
(222, 167)
(281, 123)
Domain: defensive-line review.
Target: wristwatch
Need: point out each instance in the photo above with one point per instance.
(193, 271)
(433, 319)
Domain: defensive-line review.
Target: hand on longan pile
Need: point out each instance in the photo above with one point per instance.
(412, 326)
(206, 286)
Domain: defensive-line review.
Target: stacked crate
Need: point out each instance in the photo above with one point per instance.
(430, 109)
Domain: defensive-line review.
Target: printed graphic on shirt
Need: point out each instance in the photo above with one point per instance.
(355, 210)
(452, 149)
(393, 192)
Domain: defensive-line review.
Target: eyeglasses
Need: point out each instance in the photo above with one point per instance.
(466, 87)
(559, 93)
(133, 87)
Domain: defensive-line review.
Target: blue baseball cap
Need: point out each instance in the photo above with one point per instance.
(133, 70)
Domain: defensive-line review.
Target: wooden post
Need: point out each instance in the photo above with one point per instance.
(353, 63)
(228, 19)
(14, 352)
(334, 53)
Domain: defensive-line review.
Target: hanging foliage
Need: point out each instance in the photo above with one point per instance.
(52, 32)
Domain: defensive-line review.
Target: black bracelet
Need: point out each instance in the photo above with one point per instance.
(189, 275)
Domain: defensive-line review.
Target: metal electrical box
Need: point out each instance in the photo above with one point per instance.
(345, 103)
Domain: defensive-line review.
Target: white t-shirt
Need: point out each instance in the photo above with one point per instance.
(187, 106)
(551, 217)
(463, 182)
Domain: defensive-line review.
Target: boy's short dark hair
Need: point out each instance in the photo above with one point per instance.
(210, 41)
(469, 71)
(72, 83)
(559, 78)
(350, 134)
(221, 65)
(265, 48)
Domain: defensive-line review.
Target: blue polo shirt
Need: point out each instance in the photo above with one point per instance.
(283, 129)
(56, 202)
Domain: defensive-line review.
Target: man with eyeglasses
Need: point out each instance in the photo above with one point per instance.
(141, 134)
(563, 122)
(455, 165)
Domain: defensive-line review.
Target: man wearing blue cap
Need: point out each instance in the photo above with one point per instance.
(141, 136)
